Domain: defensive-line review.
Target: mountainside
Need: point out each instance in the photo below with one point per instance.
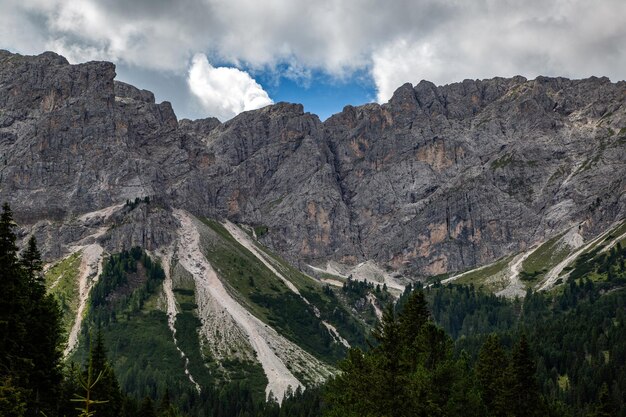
(439, 179)
(258, 222)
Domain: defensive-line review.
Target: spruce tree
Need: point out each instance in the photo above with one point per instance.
(107, 388)
(13, 304)
(492, 375)
(387, 357)
(412, 318)
(31, 261)
(147, 408)
(525, 397)
(43, 339)
(30, 331)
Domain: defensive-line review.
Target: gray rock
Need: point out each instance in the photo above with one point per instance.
(438, 179)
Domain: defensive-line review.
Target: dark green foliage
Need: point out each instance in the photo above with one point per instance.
(260, 231)
(576, 339)
(30, 329)
(127, 280)
(268, 298)
(607, 265)
(409, 371)
(525, 398)
(492, 376)
(466, 311)
(132, 204)
(333, 310)
(147, 408)
(356, 292)
(293, 318)
(561, 354)
(12, 399)
(107, 389)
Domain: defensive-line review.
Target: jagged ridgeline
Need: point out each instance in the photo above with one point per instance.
(252, 254)
(437, 180)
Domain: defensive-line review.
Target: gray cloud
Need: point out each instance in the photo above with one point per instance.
(397, 41)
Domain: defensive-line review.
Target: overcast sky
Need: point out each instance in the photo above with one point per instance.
(222, 57)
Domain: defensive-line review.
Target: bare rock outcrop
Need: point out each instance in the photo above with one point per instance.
(438, 179)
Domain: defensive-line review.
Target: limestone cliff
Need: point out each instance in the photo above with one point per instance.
(438, 179)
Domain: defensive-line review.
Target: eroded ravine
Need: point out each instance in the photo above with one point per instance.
(193, 260)
(90, 270)
(172, 311)
(553, 275)
(244, 240)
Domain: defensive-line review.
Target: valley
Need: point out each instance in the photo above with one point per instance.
(273, 259)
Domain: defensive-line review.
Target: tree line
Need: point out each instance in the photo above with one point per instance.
(439, 351)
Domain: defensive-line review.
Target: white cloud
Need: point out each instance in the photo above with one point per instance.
(224, 92)
(568, 38)
(399, 41)
(401, 61)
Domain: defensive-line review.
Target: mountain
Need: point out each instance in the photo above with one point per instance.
(503, 182)
(439, 179)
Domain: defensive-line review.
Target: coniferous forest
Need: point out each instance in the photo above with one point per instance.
(442, 350)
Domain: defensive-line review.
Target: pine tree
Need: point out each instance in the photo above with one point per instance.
(413, 316)
(491, 372)
(147, 408)
(525, 397)
(30, 330)
(107, 388)
(13, 303)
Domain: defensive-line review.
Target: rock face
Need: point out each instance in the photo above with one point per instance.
(438, 179)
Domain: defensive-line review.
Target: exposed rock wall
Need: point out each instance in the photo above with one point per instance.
(438, 179)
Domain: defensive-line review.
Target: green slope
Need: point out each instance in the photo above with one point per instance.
(256, 287)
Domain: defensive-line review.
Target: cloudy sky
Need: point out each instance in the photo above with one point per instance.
(222, 57)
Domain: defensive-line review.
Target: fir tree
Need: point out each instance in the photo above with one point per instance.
(525, 397)
(147, 408)
(31, 261)
(30, 330)
(492, 376)
(13, 303)
(107, 388)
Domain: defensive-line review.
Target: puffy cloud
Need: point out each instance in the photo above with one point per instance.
(224, 92)
(398, 41)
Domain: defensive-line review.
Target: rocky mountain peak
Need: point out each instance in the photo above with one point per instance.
(438, 179)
